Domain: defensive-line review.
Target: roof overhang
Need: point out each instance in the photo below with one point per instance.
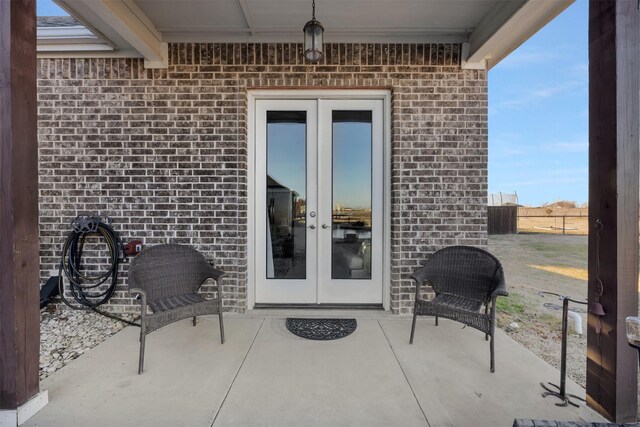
(506, 28)
(488, 29)
(71, 39)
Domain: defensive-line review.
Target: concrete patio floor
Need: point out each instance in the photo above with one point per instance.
(264, 375)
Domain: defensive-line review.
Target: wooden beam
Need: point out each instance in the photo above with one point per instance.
(19, 267)
(614, 124)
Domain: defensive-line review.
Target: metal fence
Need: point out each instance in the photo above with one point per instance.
(503, 199)
(564, 227)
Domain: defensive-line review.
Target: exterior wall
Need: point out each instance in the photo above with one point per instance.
(163, 153)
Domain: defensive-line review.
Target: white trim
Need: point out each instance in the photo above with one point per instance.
(464, 60)
(255, 94)
(247, 15)
(505, 28)
(70, 39)
(61, 33)
(289, 290)
(349, 291)
(135, 27)
(163, 62)
(72, 12)
(243, 35)
(387, 161)
(89, 53)
(251, 176)
(74, 47)
(17, 417)
(493, 20)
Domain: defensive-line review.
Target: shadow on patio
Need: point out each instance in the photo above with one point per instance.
(263, 375)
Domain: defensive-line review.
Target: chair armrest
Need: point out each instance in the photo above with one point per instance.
(211, 273)
(143, 300)
(500, 290)
(419, 276)
(138, 291)
(214, 273)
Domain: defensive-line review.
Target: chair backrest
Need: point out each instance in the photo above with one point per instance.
(166, 270)
(465, 271)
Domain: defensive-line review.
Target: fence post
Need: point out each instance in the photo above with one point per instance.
(564, 218)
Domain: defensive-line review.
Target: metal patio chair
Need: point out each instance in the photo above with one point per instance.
(167, 279)
(464, 280)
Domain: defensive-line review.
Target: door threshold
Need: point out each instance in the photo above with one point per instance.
(319, 306)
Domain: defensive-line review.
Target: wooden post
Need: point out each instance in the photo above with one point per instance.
(614, 115)
(19, 269)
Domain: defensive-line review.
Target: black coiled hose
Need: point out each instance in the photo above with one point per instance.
(87, 290)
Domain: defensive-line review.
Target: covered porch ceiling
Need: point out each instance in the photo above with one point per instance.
(488, 29)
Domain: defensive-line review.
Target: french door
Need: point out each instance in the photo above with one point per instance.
(319, 201)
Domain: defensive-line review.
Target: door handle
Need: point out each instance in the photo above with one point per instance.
(312, 226)
(325, 226)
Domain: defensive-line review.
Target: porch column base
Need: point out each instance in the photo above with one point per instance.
(16, 417)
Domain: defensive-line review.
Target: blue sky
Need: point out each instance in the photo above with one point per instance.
(49, 8)
(286, 153)
(538, 114)
(351, 161)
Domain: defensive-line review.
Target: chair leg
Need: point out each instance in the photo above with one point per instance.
(194, 320)
(493, 360)
(221, 328)
(220, 317)
(413, 324)
(142, 340)
(492, 332)
(486, 313)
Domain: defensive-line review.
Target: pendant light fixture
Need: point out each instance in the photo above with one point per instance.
(313, 37)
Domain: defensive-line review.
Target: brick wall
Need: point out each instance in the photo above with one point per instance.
(163, 153)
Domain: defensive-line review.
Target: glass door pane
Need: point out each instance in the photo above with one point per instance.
(286, 200)
(351, 181)
(351, 193)
(286, 188)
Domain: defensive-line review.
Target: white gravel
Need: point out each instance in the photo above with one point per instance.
(66, 334)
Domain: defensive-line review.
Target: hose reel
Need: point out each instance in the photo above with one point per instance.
(90, 290)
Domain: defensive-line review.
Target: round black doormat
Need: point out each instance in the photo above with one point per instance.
(321, 329)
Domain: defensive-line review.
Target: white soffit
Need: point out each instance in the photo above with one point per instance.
(507, 27)
(344, 20)
(489, 29)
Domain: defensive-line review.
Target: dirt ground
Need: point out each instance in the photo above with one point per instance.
(547, 220)
(544, 262)
(528, 260)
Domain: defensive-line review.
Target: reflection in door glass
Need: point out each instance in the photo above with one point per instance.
(351, 238)
(286, 194)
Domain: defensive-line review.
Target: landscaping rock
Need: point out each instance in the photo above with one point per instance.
(66, 334)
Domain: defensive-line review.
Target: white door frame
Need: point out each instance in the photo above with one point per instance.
(326, 94)
(287, 291)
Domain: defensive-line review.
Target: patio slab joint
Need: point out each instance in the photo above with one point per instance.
(236, 375)
(404, 373)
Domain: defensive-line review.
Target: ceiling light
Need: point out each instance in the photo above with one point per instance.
(313, 37)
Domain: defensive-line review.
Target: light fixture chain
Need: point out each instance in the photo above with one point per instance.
(313, 9)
